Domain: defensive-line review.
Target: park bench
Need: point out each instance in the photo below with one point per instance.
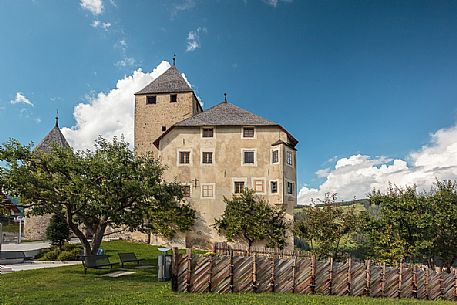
(129, 257)
(96, 262)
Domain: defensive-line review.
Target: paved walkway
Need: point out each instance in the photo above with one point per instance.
(31, 265)
(27, 246)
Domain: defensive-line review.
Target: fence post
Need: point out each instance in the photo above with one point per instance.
(383, 279)
(210, 271)
(455, 283)
(272, 283)
(415, 281)
(368, 278)
(189, 268)
(440, 281)
(313, 273)
(330, 275)
(400, 279)
(174, 269)
(293, 272)
(254, 273)
(426, 283)
(231, 270)
(349, 276)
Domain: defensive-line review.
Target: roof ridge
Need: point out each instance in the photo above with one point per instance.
(171, 80)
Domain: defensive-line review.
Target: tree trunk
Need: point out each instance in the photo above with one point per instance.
(78, 233)
(98, 237)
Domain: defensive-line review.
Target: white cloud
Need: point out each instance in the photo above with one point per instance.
(274, 3)
(358, 174)
(182, 6)
(126, 62)
(193, 39)
(109, 114)
(93, 6)
(100, 24)
(21, 99)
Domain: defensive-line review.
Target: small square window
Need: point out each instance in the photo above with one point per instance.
(290, 188)
(207, 191)
(274, 186)
(164, 128)
(248, 132)
(289, 159)
(184, 157)
(249, 157)
(275, 156)
(151, 99)
(186, 190)
(259, 186)
(173, 98)
(207, 132)
(239, 187)
(207, 157)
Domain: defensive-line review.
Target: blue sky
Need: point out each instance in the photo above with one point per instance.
(367, 87)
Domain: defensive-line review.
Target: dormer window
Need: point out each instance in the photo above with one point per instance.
(173, 98)
(248, 132)
(151, 99)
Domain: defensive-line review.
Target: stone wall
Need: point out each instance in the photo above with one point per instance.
(35, 227)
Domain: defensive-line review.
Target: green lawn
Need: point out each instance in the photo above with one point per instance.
(69, 285)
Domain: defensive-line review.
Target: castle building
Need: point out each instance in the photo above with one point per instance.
(35, 226)
(213, 153)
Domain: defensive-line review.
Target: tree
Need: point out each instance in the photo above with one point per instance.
(108, 186)
(58, 231)
(325, 227)
(251, 218)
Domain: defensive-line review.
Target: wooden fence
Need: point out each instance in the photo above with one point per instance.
(228, 272)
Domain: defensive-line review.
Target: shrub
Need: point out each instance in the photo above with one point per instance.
(51, 255)
(58, 231)
(68, 256)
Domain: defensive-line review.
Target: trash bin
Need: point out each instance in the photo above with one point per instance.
(164, 265)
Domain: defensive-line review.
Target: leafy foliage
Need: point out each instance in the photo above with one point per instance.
(324, 228)
(251, 218)
(58, 231)
(108, 186)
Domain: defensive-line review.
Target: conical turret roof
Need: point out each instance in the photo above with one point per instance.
(170, 81)
(54, 137)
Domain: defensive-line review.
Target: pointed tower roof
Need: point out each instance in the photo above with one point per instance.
(54, 137)
(170, 81)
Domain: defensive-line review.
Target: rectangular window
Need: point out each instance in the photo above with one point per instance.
(207, 157)
(173, 98)
(184, 157)
(290, 188)
(239, 186)
(289, 159)
(207, 191)
(248, 132)
(151, 99)
(259, 186)
(186, 190)
(207, 132)
(275, 156)
(274, 186)
(249, 157)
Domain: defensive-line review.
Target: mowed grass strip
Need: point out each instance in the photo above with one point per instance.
(69, 285)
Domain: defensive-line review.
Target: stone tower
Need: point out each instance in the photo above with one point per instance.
(35, 226)
(158, 106)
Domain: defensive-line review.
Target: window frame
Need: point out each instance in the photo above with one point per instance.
(175, 97)
(243, 150)
(277, 187)
(151, 96)
(254, 136)
(289, 152)
(178, 157)
(213, 185)
(253, 184)
(203, 130)
(211, 151)
(287, 188)
(278, 161)
(239, 179)
(190, 190)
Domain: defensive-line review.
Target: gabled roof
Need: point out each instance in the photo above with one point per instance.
(226, 114)
(54, 137)
(170, 81)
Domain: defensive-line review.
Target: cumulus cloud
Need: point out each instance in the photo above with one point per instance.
(21, 99)
(274, 3)
(100, 24)
(193, 39)
(357, 175)
(109, 114)
(93, 6)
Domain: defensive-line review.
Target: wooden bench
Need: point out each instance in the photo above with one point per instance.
(129, 257)
(96, 262)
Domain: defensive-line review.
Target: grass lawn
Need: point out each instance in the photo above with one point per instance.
(69, 285)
